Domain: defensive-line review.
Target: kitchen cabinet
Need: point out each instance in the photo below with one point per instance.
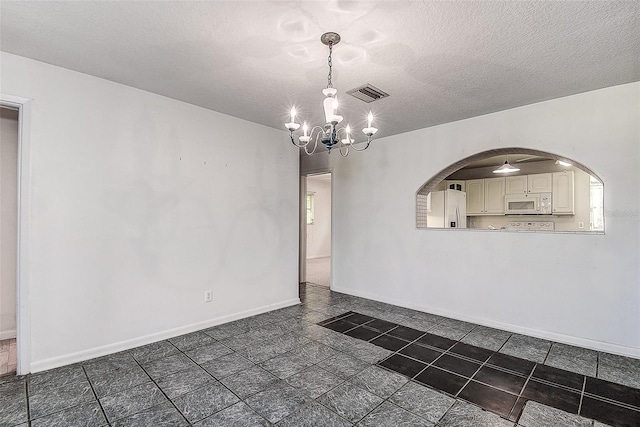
(522, 184)
(494, 196)
(562, 197)
(516, 184)
(475, 196)
(539, 183)
(485, 196)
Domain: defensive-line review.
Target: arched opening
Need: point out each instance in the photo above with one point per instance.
(544, 192)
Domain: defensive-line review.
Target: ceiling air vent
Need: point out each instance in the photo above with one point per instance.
(367, 93)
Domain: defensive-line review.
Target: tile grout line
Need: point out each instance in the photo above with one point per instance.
(548, 353)
(159, 388)
(26, 394)
(584, 383)
(522, 391)
(93, 390)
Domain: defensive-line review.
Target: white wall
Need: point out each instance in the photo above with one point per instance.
(576, 288)
(140, 203)
(319, 233)
(8, 220)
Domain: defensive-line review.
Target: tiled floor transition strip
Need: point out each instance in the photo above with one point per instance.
(497, 382)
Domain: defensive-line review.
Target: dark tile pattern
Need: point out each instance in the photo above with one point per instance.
(489, 398)
(442, 380)
(392, 366)
(497, 381)
(502, 380)
(403, 365)
(609, 413)
(551, 395)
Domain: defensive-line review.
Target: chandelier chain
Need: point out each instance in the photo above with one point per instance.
(329, 84)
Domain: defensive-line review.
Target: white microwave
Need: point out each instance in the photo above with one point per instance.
(528, 204)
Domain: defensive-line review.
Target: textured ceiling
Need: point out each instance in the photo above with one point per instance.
(439, 61)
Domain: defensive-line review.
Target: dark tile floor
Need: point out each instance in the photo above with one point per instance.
(496, 382)
(281, 368)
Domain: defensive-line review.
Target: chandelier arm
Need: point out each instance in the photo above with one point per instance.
(299, 145)
(315, 142)
(361, 149)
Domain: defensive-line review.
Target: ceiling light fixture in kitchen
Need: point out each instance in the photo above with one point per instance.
(329, 134)
(563, 163)
(506, 168)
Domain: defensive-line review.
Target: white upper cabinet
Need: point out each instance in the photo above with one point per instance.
(494, 196)
(563, 193)
(475, 197)
(539, 183)
(485, 196)
(516, 184)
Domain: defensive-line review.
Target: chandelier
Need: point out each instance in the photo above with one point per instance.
(330, 134)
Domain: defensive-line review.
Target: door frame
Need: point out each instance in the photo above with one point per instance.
(23, 325)
(302, 250)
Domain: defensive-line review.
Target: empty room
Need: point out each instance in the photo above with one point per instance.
(320, 213)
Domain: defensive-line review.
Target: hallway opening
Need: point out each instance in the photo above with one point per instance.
(318, 229)
(8, 238)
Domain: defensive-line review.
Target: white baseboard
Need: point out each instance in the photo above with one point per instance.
(55, 362)
(7, 334)
(319, 256)
(537, 333)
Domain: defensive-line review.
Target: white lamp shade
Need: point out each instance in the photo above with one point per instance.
(506, 168)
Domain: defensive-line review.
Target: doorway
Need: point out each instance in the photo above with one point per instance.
(318, 229)
(9, 128)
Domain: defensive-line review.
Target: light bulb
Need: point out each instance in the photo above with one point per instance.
(293, 114)
(369, 119)
(304, 128)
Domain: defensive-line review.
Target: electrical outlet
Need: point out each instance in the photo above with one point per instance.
(208, 296)
(580, 224)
